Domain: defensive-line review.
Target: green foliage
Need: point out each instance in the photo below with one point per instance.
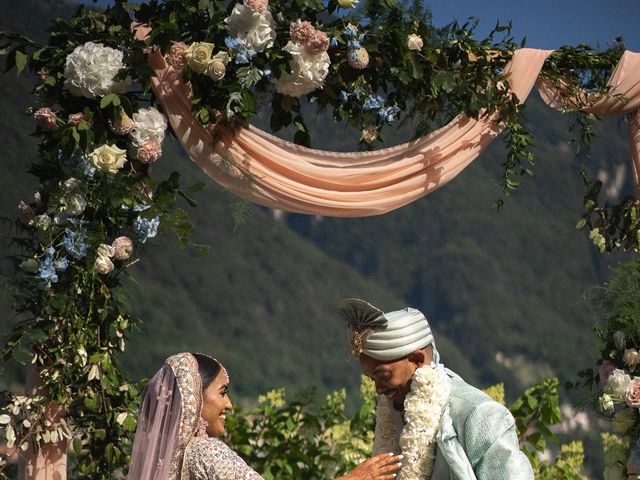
(581, 73)
(299, 439)
(618, 302)
(535, 411)
(616, 452)
(566, 466)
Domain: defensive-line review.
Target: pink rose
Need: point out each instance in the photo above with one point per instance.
(123, 248)
(302, 32)
(123, 124)
(317, 44)
(46, 118)
(177, 57)
(605, 370)
(75, 118)
(149, 152)
(632, 395)
(257, 6)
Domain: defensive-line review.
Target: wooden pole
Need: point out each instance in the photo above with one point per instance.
(49, 462)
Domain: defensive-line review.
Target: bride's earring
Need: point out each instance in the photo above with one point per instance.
(202, 428)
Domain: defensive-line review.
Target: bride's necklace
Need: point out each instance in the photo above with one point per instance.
(423, 407)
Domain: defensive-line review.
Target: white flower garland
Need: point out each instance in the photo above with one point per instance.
(423, 408)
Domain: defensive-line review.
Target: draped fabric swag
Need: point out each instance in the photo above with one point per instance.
(279, 174)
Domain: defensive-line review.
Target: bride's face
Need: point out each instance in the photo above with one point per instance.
(215, 405)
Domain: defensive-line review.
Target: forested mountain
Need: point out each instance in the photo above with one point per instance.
(506, 287)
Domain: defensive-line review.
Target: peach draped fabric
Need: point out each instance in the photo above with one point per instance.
(279, 174)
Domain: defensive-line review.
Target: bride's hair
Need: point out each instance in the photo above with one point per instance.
(208, 368)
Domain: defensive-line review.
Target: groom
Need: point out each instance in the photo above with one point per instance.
(445, 428)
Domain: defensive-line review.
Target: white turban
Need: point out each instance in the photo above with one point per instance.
(388, 336)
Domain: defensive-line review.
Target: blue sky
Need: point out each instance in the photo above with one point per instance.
(546, 24)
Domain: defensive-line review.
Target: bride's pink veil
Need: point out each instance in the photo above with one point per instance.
(167, 420)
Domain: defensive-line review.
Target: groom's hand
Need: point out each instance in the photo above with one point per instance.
(381, 467)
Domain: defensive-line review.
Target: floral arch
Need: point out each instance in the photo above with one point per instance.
(212, 66)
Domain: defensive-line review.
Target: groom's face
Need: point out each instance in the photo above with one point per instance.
(392, 379)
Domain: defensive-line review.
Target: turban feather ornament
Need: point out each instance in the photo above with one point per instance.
(362, 318)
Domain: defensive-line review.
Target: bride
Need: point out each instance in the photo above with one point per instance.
(183, 411)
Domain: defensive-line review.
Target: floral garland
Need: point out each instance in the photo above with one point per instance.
(423, 408)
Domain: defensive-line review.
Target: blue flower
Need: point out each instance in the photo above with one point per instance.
(349, 32)
(233, 43)
(76, 222)
(358, 93)
(146, 228)
(46, 271)
(62, 264)
(242, 54)
(353, 44)
(74, 243)
(343, 96)
(86, 167)
(141, 207)
(333, 43)
(373, 102)
(388, 114)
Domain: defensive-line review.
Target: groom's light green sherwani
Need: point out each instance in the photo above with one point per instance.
(486, 432)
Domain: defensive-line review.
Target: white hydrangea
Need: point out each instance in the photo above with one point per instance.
(148, 124)
(308, 71)
(90, 68)
(256, 30)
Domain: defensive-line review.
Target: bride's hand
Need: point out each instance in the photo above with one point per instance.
(380, 467)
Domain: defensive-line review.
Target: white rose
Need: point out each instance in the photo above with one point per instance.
(105, 250)
(198, 56)
(414, 42)
(217, 66)
(256, 30)
(148, 124)
(618, 383)
(308, 71)
(108, 158)
(631, 358)
(90, 68)
(606, 403)
(103, 265)
(216, 70)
